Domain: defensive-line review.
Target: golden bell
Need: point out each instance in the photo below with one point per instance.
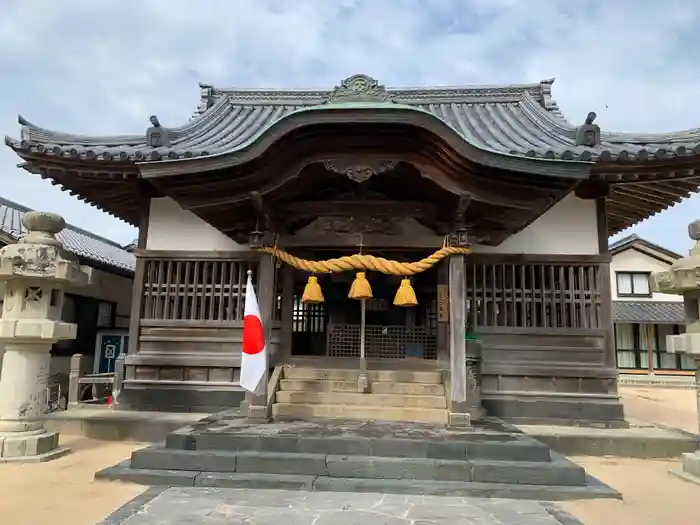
(312, 292)
(405, 295)
(360, 288)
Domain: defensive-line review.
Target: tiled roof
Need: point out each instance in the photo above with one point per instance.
(82, 243)
(520, 120)
(648, 312)
(635, 240)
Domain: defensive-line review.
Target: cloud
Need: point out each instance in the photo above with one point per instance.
(102, 67)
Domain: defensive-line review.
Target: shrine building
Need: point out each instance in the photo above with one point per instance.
(491, 211)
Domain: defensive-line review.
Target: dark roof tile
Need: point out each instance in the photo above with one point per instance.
(82, 243)
(664, 312)
(519, 120)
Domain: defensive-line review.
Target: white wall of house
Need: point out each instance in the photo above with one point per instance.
(568, 228)
(171, 227)
(633, 260)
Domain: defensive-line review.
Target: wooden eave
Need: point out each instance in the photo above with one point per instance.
(639, 190)
(114, 188)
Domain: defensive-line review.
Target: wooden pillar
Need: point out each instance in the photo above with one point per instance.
(258, 407)
(604, 287)
(443, 313)
(139, 270)
(287, 315)
(458, 370)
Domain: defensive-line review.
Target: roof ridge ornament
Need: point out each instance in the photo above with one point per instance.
(359, 88)
(588, 134)
(157, 136)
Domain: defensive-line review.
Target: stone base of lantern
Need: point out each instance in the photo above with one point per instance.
(36, 446)
(691, 468)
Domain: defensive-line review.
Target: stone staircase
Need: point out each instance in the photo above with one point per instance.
(488, 460)
(309, 393)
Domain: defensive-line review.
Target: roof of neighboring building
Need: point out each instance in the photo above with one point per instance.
(635, 241)
(86, 245)
(663, 312)
(517, 119)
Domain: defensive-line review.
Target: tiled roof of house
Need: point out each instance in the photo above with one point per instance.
(664, 312)
(635, 240)
(520, 120)
(82, 243)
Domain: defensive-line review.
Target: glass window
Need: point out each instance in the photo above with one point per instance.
(624, 284)
(624, 336)
(633, 283)
(640, 284)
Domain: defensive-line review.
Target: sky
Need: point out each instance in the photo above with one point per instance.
(104, 66)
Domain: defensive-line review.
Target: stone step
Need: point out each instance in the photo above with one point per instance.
(217, 479)
(395, 376)
(356, 398)
(378, 387)
(476, 446)
(301, 412)
(183, 478)
(557, 472)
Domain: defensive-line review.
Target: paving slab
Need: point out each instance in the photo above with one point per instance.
(212, 506)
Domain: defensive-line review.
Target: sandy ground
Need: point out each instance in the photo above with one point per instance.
(673, 407)
(62, 492)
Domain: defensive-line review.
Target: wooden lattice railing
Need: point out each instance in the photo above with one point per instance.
(536, 295)
(211, 290)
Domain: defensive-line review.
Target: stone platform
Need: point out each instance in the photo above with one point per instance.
(262, 507)
(491, 459)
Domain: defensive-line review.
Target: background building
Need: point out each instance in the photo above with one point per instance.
(101, 310)
(643, 319)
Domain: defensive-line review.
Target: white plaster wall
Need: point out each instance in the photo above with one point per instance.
(632, 260)
(110, 287)
(567, 228)
(170, 227)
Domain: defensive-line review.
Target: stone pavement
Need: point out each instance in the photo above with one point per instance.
(209, 506)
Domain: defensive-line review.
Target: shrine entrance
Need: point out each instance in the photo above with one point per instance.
(333, 328)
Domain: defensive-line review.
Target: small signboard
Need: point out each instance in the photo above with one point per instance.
(443, 303)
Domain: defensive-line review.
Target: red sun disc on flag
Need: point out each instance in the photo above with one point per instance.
(253, 336)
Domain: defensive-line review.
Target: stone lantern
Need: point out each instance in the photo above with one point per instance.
(683, 278)
(35, 271)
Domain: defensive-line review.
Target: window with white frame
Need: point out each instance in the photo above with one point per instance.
(633, 284)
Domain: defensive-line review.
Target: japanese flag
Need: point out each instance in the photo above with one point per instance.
(253, 357)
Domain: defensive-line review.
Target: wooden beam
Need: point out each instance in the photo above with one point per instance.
(199, 255)
(368, 241)
(371, 208)
(602, 225)
(263, 210)
(592, 189)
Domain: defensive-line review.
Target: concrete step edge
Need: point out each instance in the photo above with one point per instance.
(122, 472)
(355, 466)
(358, 399)
(516, 450)
(305, 410)
(403, 376)
(377, 387)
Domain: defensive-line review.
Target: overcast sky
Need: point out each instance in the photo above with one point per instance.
(104, 66)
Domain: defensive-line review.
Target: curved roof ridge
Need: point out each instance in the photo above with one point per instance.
(548, 122)
(33, 133)
(691, 135)
(407, 95)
